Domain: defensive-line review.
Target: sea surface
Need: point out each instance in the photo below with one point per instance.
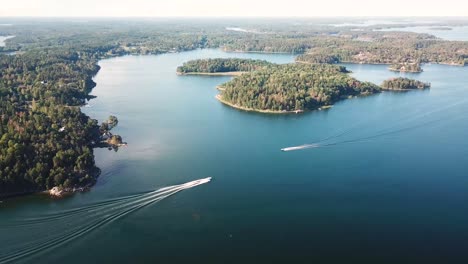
(387, 183)
(458, 33)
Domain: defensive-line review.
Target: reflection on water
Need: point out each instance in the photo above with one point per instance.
(382, 200)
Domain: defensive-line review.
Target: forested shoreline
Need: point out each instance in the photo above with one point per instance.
(293, 88)
(46, 74)
(402, 84)
(406, 67)
(220, 65)
(46, 141)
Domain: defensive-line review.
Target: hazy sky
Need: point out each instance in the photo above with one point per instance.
(303, 8)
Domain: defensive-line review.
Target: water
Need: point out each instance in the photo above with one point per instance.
(374, 22)
(459, 33)
(396, 198)
(3, 39)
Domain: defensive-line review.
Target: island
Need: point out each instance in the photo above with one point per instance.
(441, 28)
(107, 139)
(406, 67)
(404, 84)
(382, 48)
(220, 66)
(47, 70)
(292, 88)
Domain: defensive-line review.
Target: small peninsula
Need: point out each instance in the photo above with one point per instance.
(404, 84)
(219, 66)
(292, 88)
(406, 67)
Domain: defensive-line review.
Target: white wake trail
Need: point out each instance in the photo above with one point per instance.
(85, 220)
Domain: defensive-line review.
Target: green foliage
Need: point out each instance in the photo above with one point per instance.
(45, 140)
(112, 121)
(294, 87)
(385, 48)
(404, 84)
(406, 67)
(221, 65)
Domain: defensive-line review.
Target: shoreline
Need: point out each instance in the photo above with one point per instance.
(5, 38)
(375, 63)
(238, 73)
(343, 62)
(403, 90)
(56, 192)
(396, 70)
(95, 172)
(260, 52)
(219, 98)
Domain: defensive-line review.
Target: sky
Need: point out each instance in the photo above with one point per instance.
(212, 8)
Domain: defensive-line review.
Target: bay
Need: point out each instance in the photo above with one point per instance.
(393, 186)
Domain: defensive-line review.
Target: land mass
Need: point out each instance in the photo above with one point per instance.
(441, 28)
(46, 141)
(292, 88)
(220, 66)
(403, 84)
(233, 73)
(406, 67)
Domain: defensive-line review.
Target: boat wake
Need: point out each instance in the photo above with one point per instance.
(399, 127)
(43, 233)
(305, 146)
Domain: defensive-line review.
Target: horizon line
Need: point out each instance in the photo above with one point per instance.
(232, 16)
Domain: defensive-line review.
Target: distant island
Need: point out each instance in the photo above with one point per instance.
(403, 84)
(292, 88)
(406, 67)
(220, 66)
(441, 28)
(381, 48)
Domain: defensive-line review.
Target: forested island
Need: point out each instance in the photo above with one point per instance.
(46, 73)
(292, 88)
(220, 66)
(402, 84)
(441, 28)
(406, 67)
(385, 48)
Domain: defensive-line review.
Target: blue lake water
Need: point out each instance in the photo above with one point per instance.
(459, 33)
(391, 189)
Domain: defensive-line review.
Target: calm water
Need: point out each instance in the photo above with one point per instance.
(373, 22)
(398, 194)
(457, 33)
